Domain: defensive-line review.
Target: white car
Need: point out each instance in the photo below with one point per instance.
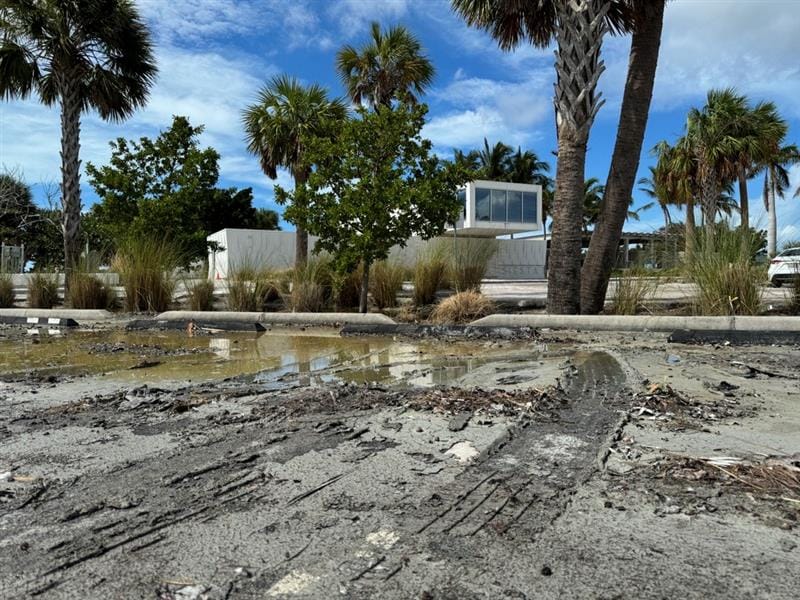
(785, 267)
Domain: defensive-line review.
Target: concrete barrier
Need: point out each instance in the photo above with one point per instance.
(641, 322)
(79, 315)
(276, 318)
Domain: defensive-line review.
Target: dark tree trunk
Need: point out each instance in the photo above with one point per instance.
(690, 233)
(564, 268)
(363, 299)
(70, 181)
(600, 260)
(744, 200)
(301, 235)
(579, 36)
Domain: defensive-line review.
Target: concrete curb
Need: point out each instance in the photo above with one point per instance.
(642, 323)
(276, 318)
(58, 313)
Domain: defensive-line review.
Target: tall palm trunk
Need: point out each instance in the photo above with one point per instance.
(772, 229)
(579, 35)
(301, 235)
(70, 179)
(602, 255)
(744, 201)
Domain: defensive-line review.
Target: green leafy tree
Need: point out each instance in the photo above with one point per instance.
(18, 213)
(81, 55)
(375, 185)
(167, 187)
(285, 112)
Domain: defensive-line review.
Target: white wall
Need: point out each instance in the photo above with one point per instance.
(515, 259)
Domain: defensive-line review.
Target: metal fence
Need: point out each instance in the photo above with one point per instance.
(12, 259)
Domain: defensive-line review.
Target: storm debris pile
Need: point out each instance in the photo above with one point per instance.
(661, 402)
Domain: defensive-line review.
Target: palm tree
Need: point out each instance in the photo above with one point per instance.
(646, 21)
(578, 27)
(717, 136)
(654, 189)
(525, 167)
(676, 175)
(81, 55)
(285, 113)
(468, 160)
(762, 133)
(593, 199)
(494, 161)
(391, 66)
(776, 182)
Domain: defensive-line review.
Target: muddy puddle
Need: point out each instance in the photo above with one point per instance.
(307, 357)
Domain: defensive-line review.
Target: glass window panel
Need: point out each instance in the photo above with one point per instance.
(462, 199)
(514, 207)
(499, 205)
(482, 205)
(529, 206)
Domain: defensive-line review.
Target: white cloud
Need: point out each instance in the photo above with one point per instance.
(354, 16)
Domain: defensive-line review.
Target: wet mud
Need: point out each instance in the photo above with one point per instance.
(380, 468)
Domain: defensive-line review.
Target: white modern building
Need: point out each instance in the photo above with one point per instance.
(491, 209)
(495, 208)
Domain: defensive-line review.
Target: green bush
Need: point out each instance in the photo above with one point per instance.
(200, 295)
(89, 291)
(723, 269)
(429, 273)
(6, 291)
(385, 282)
(42, 291)
(146, 268)
(469, 258)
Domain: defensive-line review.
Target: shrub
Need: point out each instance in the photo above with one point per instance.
(89, 291)
(633, 289)
(469, 259)
(42, 291)
(312, 286)
(200, 295)
(6, 291)
(722, 267)
(429, 272)
(146, 268)
(462, 307)
(385, 282)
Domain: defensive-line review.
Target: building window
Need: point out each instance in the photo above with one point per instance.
(499, 206)
(529, 206)
(514, 207)
(462, 200)
(482, 205)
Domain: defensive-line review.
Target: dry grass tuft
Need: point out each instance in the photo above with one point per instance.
(462, 307)
(469, 260)
(42, 291)
(430, 270)
(6, 291)
(89, 291)
(385, 282)
(632, 292)
(312, 286)
(200, 295)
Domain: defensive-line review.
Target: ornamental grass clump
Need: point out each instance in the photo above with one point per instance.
(462, 307)
(469, 260)
(386, 281)
(633, 290)
(722, 267)
(200, 295)
(250, 287)
(89, 291)
(42, 291)
(6, 291)
(430, 270)
(146, 268)
(312, 286)
(347, 288)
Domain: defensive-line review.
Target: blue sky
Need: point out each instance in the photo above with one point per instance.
(215, 54)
